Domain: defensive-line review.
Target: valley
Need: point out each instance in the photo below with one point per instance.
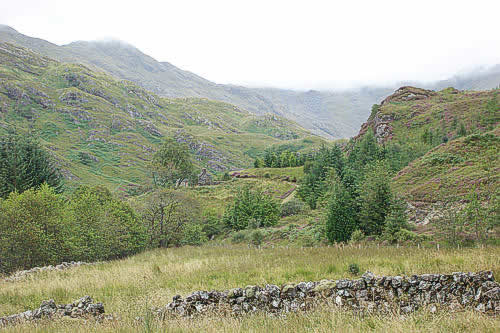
(138, 184)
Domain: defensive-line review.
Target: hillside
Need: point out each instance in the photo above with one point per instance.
(329, 114)
(452, 135)
(104, 131)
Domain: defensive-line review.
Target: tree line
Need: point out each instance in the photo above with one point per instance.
(355, 189)
(42, 222)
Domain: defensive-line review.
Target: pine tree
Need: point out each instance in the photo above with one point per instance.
(396, 219)
(374, 198)
(24, 164)
(341, 216)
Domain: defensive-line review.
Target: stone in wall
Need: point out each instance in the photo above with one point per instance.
(370, 293)
(83, 307)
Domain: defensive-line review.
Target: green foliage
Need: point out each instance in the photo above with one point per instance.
(24, 164)
(239, 236)
(313, 186)
(211, 224)
(341, 214)
(226, 177)
(251, 204)
(167, 214)
(194, 235)
(257, 237)
(374, 199)
(103, 227)
(375, 108)
(172, 163)
(353, 268)
(396, 220)
(405, 235)
(462, 131)
(258, 163)
(292, 207)
(357, 236)
(39, 227)
(33, 229)
(280, 158)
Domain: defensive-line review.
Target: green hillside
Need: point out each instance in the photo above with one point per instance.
(450, 137)
(104, 131)
(329, 114)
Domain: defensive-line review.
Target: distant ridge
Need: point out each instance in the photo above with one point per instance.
(329, 114)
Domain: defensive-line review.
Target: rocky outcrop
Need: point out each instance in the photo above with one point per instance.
(408, 93)
(370, 293)
(381, 123)
(81, 308)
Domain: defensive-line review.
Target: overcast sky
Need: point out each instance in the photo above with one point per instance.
(288, 44)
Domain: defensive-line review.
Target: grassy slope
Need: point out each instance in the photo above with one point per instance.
(332, 115)
(453, 169)
(128, 287)
(460, 162)
(116, 125)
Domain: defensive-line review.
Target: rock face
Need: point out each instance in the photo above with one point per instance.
(83, 307)
(370, 293)
(382, 123)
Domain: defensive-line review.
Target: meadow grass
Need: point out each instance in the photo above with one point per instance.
(129, 287)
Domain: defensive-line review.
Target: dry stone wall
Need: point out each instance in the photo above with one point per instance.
(370, 293)
(19, 275)
(83, 307)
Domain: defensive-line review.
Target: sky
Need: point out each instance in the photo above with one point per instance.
(286, 44)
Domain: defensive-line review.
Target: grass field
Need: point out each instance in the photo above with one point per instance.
(131, 286)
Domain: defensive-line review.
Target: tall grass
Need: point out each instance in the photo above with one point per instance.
(127, 287)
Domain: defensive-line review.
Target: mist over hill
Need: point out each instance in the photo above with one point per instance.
(331, 114)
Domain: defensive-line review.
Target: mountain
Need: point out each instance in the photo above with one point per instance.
(330, 114)
(451, 139)
(104, 131)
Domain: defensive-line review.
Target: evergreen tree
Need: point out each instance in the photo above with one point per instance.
(374, 198)
(396, 219)
(268, 161)
(258, 163)
(275, 163)
(24, 164)
(341, 214)
(313, 185)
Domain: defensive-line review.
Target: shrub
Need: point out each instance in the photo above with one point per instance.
(251, 205)
(194, 235)
(405, 235)
(226, 176)
(33, 230)
(353, 269)
(167, 214)
(239, 237)
(211, 224)
(292, 207)
(103, 227)
(357, 236)
(256, 237)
